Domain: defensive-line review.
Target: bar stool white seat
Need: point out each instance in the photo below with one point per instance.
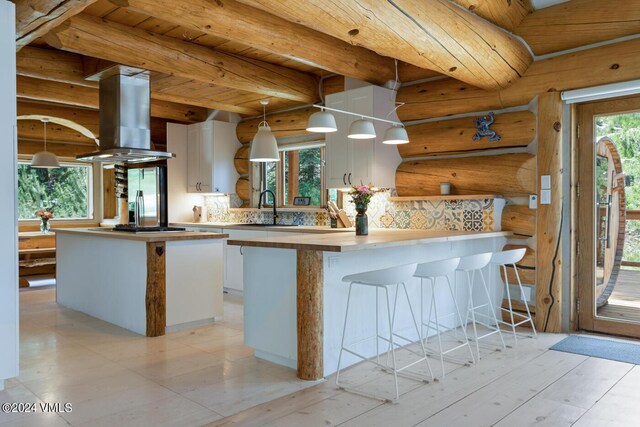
(430, 272)
(394, 277)
(470, 265)
(503, 259)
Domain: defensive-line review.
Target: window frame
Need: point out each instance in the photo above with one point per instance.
(280, 176)
(90, 194)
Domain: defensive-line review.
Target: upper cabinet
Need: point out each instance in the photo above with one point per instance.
(355, 161)
(211, 147)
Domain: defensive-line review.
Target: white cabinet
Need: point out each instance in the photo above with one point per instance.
(352, 161)
(211, 147)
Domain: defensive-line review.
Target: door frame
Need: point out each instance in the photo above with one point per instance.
(584, 215)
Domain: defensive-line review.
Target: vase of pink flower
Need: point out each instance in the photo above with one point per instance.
(45, 216)
(360, 197)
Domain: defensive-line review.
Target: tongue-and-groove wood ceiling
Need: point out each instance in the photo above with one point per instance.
(229, 54)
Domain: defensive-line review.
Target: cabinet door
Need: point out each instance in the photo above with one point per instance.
(225, 145)
(361, 155)
(338, 163)
(206, 156)
(193, 158)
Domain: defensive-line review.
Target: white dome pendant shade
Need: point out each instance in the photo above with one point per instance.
(362, 129)
(395, 135)
(264, 147)
(45, 159)
(322, 122)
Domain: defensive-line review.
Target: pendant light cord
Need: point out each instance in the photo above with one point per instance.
(45, 135)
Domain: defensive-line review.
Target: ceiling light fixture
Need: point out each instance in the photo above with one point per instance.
(362, 129)
(322, 122)
(396, 135)
(264, 147)
(45, 159)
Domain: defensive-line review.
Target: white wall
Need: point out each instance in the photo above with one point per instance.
(180, 202)
(8, 195)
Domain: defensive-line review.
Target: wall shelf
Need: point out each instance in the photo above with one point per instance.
(447, 197)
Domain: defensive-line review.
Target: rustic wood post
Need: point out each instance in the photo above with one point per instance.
(549, 223)
(156, 299)
(310, 319)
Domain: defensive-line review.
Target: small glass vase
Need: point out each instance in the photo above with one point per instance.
(362, 222)
(45, 227)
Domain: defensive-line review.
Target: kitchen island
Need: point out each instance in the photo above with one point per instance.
(294, 300)
(143, 282)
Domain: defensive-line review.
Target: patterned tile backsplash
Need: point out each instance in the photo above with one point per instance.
(473, 215)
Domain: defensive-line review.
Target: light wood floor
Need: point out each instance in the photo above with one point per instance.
(199, 376)
(114, 377)
(524, 386)
(624, 302)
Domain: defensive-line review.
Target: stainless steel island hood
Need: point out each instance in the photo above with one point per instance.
(125, 135)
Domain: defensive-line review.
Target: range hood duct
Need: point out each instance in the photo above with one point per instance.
(125, 135)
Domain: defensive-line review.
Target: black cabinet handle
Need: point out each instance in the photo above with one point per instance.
(344, 179)
(349, 178)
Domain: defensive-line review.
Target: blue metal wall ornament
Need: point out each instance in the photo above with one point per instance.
(482, 124)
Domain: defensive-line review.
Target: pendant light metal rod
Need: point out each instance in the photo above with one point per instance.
(335, 110)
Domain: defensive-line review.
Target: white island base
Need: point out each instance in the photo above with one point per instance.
(271, 303)
(145, 284)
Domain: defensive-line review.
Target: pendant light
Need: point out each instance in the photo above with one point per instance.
(264, 147)
(45, 159)
(362, 129)
(322, 122)
(395, 135)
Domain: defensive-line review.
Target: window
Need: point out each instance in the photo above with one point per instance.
(299, 173)
(66, 189)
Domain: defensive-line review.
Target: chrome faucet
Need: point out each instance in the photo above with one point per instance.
(264, 193)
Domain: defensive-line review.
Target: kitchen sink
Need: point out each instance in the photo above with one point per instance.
(254, 224)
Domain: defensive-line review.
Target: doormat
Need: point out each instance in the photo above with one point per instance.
(603, 349)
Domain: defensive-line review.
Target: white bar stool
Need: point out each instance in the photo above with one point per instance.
(470, 265)
(384, 279)
(503, 259)
(431, 271)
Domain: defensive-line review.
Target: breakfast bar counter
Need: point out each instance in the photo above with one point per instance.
(294, 299)
(144, 282)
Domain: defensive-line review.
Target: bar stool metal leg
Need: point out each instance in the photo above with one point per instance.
(492, 308)
(463, 326)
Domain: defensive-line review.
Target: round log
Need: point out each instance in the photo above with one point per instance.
(242, 189)
(241, 160)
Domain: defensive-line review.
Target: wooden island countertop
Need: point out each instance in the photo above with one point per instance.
(165, 236)
(381, 238)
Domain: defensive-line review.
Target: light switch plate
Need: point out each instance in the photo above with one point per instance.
(545, 197)
(533, 201)
(545, 182)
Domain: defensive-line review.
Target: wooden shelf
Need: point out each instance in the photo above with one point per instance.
(448, 197)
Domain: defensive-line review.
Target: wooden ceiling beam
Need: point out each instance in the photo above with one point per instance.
(52, 64)
(119, 43)
(90, 119)
(601, 65)
(68, 67)
(579, 23)
(235, 21)
(432, 34)
(35, 18)
(507, 14)
(86, 97)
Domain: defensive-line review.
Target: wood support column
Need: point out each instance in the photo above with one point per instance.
(156, 299)
(550, 216)
(293, 157)
(310, 319)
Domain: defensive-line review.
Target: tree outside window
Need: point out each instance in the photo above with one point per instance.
(66, 189)
(298, 174)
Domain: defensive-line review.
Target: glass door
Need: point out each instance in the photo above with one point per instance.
(608, 229)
